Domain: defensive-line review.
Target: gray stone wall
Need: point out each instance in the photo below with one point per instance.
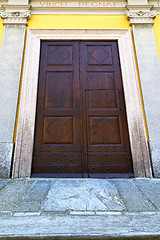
(11, 56)
(149, 71)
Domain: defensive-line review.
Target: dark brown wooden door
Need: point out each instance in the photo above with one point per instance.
(81, 127)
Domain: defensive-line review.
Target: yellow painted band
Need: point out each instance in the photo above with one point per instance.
(1, 31)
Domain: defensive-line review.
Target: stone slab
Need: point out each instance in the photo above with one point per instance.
(83, 195)
(80, 196)
(134, 199)
(12, 194)
(33, 206)
(151, 188)
(38, 191)
(126, 225)
(29, 220)
(6, 151)
(3, 183)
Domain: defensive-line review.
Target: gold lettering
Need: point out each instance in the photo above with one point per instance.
(94, 4)
(81, 4)
(53, 4)
(42, 4)
(101, 4)
(108, 4)
(87, 4)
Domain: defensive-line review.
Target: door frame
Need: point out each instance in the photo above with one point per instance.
(22, 159)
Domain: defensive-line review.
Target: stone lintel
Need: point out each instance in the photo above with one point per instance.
(140, 14)
(15, 14)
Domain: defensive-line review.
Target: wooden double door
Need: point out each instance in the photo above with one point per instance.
(81, 127)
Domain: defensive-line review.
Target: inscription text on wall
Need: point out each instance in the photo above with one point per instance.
(78, 4)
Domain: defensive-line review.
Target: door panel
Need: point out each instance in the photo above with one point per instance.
(81, 127)
(63, 96)
(101, 98)
(58, 130)
(104, 130)
(57, 148)
(98, 54)
(107, 150)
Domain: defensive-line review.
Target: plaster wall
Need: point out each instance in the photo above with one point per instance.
(78, 21)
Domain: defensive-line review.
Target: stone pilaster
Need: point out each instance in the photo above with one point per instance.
(13, 16)
(140, 14)
(11, 56)
(141, 19)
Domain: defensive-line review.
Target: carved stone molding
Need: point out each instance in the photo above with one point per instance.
(140, 15)
(15, 16)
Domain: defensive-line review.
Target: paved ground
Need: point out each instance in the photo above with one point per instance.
(80, 208)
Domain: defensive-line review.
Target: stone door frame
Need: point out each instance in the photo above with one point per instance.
(22, 160)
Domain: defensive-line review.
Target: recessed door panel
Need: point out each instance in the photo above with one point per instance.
(59, 90)
(58, 130)
(104, 130)
(59, 54)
